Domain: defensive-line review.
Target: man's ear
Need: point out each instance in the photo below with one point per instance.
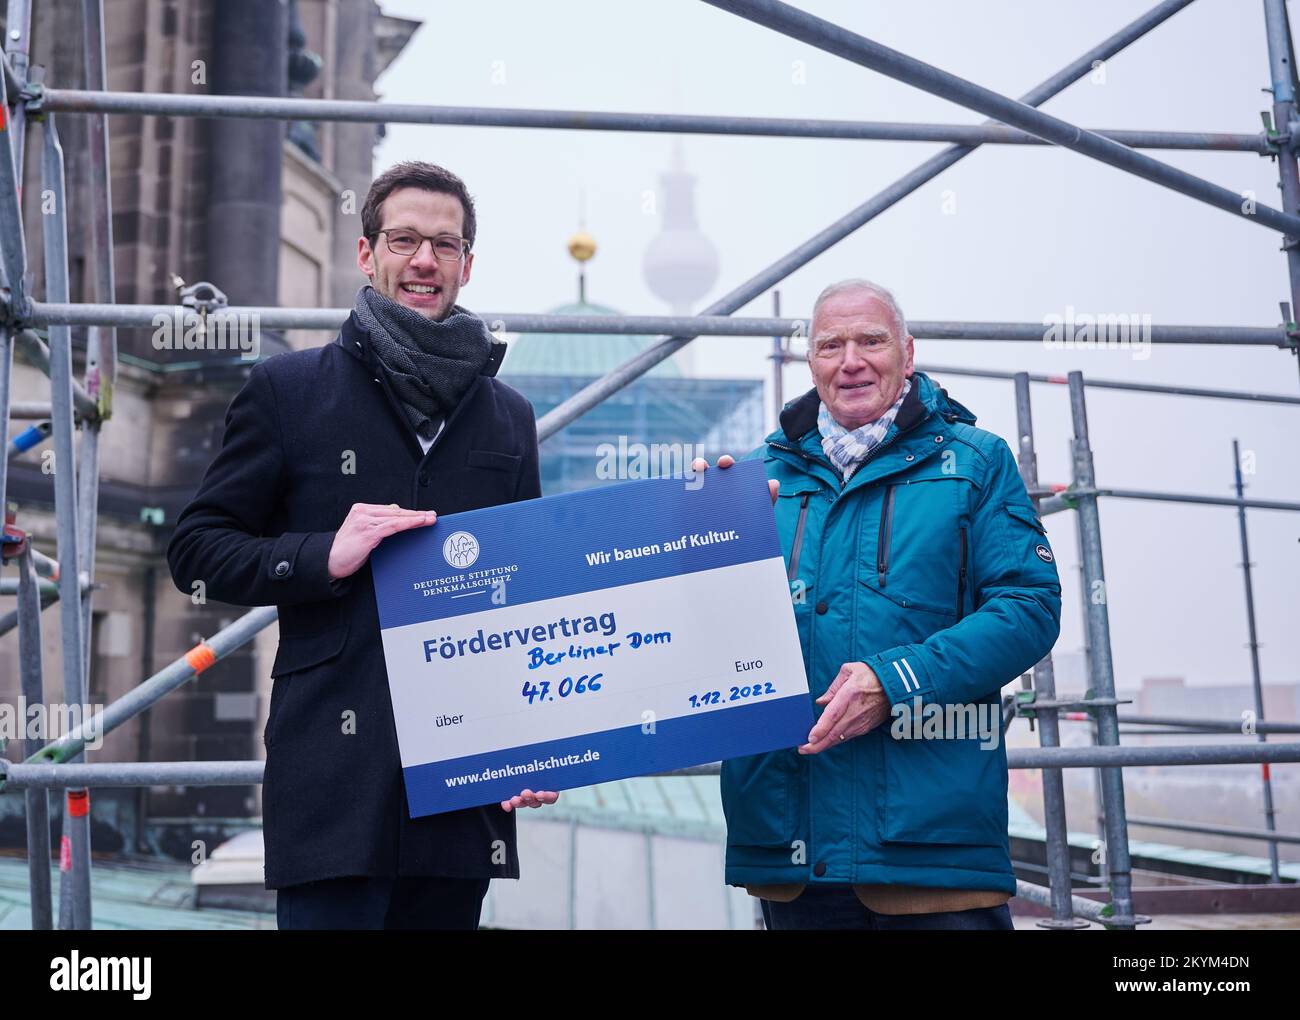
(469, 263)
(908, 368)
(365, 258)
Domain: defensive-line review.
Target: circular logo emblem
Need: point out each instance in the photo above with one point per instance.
(1044, 553)
(460, 550)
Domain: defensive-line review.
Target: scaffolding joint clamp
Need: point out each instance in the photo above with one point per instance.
(32, 94)
(15, 312)
(1027, 703)
(1292, 134)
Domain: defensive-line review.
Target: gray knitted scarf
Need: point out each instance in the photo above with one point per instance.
(429, 365)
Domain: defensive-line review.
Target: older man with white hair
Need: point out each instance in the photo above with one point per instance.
(922, 582)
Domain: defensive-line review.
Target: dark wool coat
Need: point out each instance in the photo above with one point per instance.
(258, 532)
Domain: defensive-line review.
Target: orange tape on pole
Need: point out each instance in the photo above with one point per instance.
(78, 803)
(200, 657)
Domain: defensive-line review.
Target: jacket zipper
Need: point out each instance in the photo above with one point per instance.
(794, 558)
(961, 573)
(798, 538)
(886, 528)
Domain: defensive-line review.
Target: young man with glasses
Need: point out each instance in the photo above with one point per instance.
(328, 451)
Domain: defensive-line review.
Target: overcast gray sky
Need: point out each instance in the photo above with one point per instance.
(1034, 230)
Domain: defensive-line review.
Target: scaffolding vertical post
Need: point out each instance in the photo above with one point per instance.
(18, 36)
(101, 342)
(1100, 664)
(1269, 818)
(6, 380)
(36, 801)
(1281, 64)
(13, 248)
(778, 364)
(74, 852)
(1098, 811)
(18, 16)
(1049, 734)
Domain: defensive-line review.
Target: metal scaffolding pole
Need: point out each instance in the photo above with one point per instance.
(363, 111)
(101, 344)
(1270, 821)
(1271, 836)
(1093, 383)
(1068, 499)
(229, 319)
(1281, 64)
(1079, 906)
(867, 53)
(1086, 757)
(11, 619)
(12, 132)
(1049, 734)
(246, 773)
(586, 398)
(36, 802)
(1208, 725)
(6, 386)
(1099, 659)
(18, 38)
(778, 358)
(13, 248)
(74, 854)
(143, 696)
(36, 354)
(1188, 497)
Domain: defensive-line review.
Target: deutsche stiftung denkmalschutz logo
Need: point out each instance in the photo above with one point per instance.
(460, 550)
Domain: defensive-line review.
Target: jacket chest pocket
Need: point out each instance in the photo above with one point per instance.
(797, 504)
(488, 478)
(915, 545)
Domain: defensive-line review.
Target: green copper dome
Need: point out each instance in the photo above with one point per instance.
(579, 354)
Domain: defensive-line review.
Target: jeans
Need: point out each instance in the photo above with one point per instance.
(394, 903)
(837, 908)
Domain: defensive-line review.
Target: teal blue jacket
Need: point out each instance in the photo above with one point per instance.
(932, 567)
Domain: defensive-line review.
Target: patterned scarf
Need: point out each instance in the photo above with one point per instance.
(429, 365)
(847, 450)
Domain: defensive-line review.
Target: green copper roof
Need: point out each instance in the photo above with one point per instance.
(578, 354)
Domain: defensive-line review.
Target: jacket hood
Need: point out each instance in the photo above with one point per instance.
(925, 398)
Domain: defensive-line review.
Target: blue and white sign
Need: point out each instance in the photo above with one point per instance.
(591, 636)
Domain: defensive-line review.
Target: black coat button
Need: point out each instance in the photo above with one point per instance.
(424, 478)
(821, 608)
(282, 568)
(819, 868)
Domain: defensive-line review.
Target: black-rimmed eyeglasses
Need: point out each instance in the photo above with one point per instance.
(406, 242)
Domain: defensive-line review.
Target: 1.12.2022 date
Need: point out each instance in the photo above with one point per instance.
(737, 694)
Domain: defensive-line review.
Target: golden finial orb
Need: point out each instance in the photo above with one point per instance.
(582, 246)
